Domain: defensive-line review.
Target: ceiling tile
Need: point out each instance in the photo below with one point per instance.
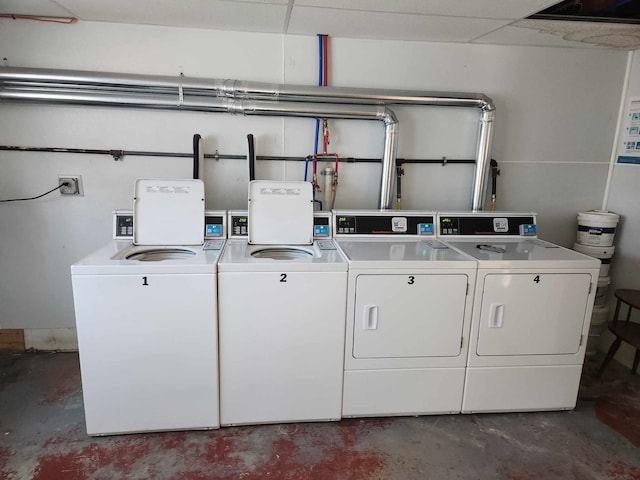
(566, 34)
(394, 26)
(511, 35)
(477, 21)
(499, 9)
(43, 8)
(215, 14)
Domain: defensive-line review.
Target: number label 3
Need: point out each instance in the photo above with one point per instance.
(412, 280)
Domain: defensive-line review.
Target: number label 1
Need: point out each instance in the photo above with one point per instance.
(537, 279)
(144, 282)
(412, 280)
(283, 278)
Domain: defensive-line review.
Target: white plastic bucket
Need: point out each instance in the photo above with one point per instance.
(600, 316)
(597, 228)
(601, 291)
(604, 254)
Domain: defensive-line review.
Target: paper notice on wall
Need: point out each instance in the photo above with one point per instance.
(629, 149)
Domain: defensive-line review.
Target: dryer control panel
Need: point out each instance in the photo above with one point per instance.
(469, 224)
(214, 224)
(383, 223)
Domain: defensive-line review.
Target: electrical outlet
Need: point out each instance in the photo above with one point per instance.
(72, 185)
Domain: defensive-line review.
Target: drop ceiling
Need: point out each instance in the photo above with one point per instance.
(502, 22)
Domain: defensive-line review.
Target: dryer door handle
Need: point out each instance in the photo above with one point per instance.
(496, 314)
(370, 317)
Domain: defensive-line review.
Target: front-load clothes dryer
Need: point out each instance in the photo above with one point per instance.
(146, 318)
(531, 313)
(281, 312)
(409, 310)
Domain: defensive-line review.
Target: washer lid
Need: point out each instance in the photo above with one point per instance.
(280, 213)
(168, 212)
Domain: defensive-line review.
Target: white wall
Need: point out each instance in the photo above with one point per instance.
(556, 113)
(624, 199)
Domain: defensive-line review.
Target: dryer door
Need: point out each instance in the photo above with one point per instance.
(399, 315)
(533, 314)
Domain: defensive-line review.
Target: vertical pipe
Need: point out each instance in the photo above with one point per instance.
(198, 158)
(483, 156)
(328, 188)
(391, 130)
(251, 157)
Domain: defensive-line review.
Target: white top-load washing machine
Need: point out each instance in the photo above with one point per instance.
(531, 313)
(409, 309)
(146, 315)
(282, 302)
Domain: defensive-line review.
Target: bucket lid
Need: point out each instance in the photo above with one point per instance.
(599, 216)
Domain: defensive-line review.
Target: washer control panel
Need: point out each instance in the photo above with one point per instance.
(122, 224)
(238, 222)
(239, 225)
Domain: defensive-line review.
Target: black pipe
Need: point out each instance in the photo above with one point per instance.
(196, 156)
(251, 158)
(118, 154)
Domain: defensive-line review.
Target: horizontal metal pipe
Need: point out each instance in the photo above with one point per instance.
(79, 77)
(249, 90)
(95, 98)
(358, 95)
(313, 110)
(227, 105)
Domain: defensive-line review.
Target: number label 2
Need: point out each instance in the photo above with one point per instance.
(283, 278)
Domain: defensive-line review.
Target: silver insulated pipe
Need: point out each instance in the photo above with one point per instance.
(250, 98)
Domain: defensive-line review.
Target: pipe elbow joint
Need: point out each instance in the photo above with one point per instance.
(388, 116)
(487, 105)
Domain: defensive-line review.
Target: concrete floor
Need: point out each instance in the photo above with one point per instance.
(42, 437)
